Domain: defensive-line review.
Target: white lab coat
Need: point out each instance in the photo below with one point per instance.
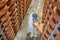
(30, 25)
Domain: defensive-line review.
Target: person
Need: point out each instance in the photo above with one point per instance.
(31, 20)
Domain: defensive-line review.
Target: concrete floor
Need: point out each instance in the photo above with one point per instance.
(22, 32)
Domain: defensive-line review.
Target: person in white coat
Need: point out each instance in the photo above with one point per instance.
(32, 17)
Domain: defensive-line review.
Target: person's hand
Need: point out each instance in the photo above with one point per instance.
(41, 27)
